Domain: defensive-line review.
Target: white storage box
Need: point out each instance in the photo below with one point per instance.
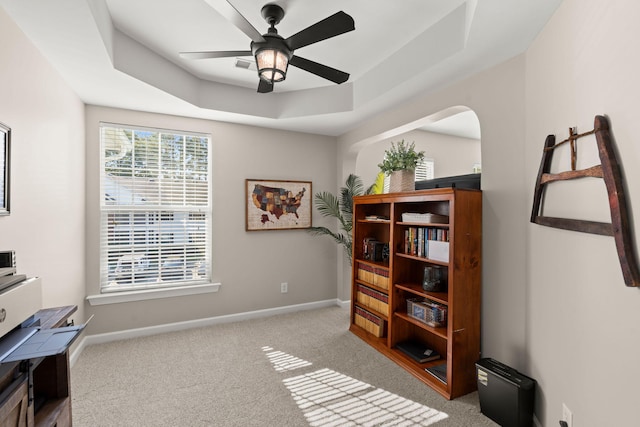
(438, 251)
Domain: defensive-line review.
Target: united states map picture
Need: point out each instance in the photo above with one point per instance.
(278, 205)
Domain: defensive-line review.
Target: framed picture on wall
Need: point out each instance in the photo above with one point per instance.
(277, 205)
(5, 151)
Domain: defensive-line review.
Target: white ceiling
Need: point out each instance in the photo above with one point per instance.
(124, 53)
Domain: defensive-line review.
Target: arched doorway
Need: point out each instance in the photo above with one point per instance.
(450, 139)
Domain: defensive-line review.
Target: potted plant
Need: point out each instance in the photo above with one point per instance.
(400, 162)
(340, 208)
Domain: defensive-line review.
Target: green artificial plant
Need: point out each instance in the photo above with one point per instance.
(400, 156)
(340, 208)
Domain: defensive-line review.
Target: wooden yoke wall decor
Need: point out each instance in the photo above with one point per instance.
(609, 170)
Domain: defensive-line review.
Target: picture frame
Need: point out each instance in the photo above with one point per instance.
(277, 204)
(5, 168)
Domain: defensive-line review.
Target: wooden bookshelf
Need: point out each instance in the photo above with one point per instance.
(457, 341)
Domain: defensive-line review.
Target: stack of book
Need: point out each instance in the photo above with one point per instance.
(369, 322)
(366, 272)
(419, 352)
(376, 218)
(438, 371)
(428, 242)
(375, 275)
(373, 299)
(425, 217)
(381, 277)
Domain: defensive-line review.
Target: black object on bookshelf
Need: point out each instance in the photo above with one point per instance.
(460, 181)
(438, 371)
(418, 351)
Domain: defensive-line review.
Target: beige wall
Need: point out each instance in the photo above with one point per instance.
(552, 299)
(497, 98)
(554, 303)
(452, 155)
(250, 265)
(584, 63)
(46, 225)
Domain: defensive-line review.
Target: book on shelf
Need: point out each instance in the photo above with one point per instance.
(425, 217)
(418, 351)
(376, 218)
(373, 299)
(427, 242)
(438, 371)
(369, 322)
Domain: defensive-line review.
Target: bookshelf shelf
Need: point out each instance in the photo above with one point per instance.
(457, 341)
(372, 286)
(441, 332)
(372, 311)
(375, 221)
(422, 259)
(441, 297)
(379, 264)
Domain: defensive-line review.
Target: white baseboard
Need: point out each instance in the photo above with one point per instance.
(344, 304)
(179, 326)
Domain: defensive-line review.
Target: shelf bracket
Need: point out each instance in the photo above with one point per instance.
(609, 170)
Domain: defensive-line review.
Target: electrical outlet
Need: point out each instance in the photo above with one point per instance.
(284, 287)
(567, 416)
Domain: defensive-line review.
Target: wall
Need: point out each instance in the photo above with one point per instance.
(583, 322)
(497, 98)
(250, 265)
(452, 155)
(46, 225)
(541, 286)
(554, 302)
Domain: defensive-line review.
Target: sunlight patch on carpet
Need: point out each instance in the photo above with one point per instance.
(283, 361)
(328, 398)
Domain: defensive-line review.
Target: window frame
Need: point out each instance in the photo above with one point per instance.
(162, 209)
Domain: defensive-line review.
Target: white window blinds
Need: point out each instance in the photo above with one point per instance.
(155, 225)
(424, 170)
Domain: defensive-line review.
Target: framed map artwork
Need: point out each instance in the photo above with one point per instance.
(278, 205)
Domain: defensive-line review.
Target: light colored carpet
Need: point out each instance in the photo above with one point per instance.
(301, 369)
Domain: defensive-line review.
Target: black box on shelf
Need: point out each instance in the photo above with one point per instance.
(459, 181)
(375, 250)
(506, 396)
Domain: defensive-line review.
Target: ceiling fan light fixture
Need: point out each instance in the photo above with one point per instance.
(272, 64)
(272, 53)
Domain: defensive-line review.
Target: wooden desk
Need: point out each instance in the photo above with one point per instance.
(50, 382)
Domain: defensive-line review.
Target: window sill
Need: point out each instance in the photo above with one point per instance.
(147, 294)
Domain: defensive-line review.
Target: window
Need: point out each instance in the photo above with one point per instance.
(155, 212)
(424, 170)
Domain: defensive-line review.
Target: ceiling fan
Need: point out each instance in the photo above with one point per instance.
(274, 53)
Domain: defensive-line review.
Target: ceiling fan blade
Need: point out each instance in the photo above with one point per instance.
(336, 24)
(264, 86)
(323, 71)
(226, 9)
(215, 54)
